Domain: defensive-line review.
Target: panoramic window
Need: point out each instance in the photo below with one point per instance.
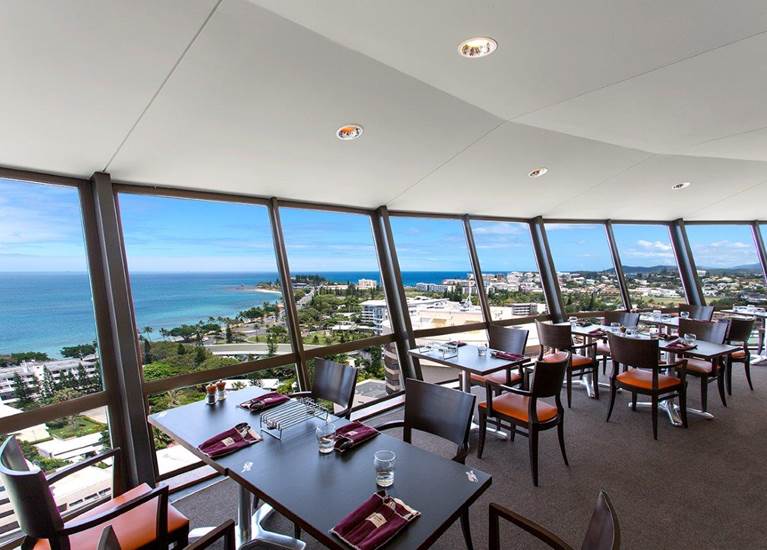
(649, 265)
(727, 263)
(584, 266)
(48, 347)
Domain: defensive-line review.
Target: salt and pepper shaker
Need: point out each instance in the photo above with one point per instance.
(211, 394)
(220, 390)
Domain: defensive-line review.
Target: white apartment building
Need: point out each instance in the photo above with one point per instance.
(367, 284)
(31, 370)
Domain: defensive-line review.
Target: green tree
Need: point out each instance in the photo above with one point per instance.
(147, 351)
(229, 337)
(22, 390)
(200, 355)
(180, 350)
(48, 386)
(79, 351)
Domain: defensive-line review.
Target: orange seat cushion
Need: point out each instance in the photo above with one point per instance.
(577, 359)
(134, 529)
(603, 348)
(643, 379)
(699, 365)
(739, 355)
(498, 377)
(515, 406)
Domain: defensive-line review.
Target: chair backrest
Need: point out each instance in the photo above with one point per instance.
(640, 353)
(334, 382)
(710, 331)
(701, 313)
(740, 329)
(626, 318)
(29, 493)
(553, 336)
(548, 377)
(438, 410)
(604, 530)
(509, 339)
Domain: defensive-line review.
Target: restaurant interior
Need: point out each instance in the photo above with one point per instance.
(354, 274)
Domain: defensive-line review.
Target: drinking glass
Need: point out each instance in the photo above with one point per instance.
(689, 338)
(654, 333)
(384, 466)
(684, 315)
(573, 321)
(656, 314)
(482, 350)
(631, 332)
(614, 327)
(326, 437)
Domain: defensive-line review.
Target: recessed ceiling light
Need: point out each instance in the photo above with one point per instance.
(479, 46)
(679, 186)
(348, 132)
(538, 172)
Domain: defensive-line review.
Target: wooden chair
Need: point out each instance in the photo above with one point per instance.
(558, 340)
(644, 376)
(626, 318)
(141, 517)
(508, 339)
(522, 408)
(333, 382)
(708, 371)
(224, 532)
(699, 313)
(739, 333)
(443, 412)
(603, 532)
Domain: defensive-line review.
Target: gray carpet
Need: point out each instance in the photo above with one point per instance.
(699, 488)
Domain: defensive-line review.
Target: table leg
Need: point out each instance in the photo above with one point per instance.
(671, 409)
(251, 534)
(466, 387)
(587, 383)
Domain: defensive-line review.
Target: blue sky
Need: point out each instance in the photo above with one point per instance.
(40, 230)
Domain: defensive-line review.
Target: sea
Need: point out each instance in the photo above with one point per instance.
(46, 311)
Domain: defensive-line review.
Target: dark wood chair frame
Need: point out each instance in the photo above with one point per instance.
(645, 354)
(39, 517)
(603, 532)
(697, 313)
(440, 411)
(547, 382)
(508, 339)
(738, 334)
(628, 319)
(710, 331)
(559, 338)
(333, 382)
(225, 532)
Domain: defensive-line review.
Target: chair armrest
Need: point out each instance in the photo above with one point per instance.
(538, 531)
(583, 346)
(509, 389)
(77, 466)
(390, 425)
(680, 366)
(94, 520)
(225, 530)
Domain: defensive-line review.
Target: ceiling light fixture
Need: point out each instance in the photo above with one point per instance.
(538, 172)
(349, 132)
(479, 46)
(680, 186)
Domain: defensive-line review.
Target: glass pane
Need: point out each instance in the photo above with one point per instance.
(509, 269)
(48, 348)
(649, 265)
(727, 263)
(584, 266)
(336, 277)
(204, 283)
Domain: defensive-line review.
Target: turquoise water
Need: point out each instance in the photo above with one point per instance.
(46, 311)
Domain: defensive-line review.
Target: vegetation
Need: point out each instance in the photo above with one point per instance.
(73, 426)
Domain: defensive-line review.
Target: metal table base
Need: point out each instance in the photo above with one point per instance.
(671, 409)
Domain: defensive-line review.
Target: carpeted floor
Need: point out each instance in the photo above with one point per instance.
(700, 488)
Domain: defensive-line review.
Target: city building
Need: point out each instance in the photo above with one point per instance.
(367, 284)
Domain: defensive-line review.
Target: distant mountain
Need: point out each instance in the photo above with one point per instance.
(648, 269)
(748, 268)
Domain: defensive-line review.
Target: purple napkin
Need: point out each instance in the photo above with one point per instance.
(351, 435)
(263, 402)
(596, 332)
(229, 441)
(375, 522)
(679, 345)
(457, 343)
(508, 356)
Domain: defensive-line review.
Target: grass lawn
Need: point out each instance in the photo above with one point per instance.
(65, 428)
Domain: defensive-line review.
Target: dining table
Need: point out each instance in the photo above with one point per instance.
(757, 313)
(316, 491)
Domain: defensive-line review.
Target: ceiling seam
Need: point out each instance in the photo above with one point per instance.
(446, 161)
(727, 198)
(726, 136)
(638, 75)
(162, 85)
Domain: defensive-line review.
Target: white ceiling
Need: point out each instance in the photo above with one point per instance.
(618, 99)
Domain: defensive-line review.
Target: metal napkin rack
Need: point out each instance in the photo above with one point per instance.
(275, 421)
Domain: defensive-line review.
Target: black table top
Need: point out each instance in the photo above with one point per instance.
(316, 490)
(468, 359)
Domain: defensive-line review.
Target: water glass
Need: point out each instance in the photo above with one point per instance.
(654, 333)
(656, 314)
(614, 327)
(684, 315)
(384, 466)
(573, 321)
(631, 332)
(690, 338)
(482, 350)
(326, 437)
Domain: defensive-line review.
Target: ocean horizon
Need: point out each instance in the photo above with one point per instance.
(45, 311)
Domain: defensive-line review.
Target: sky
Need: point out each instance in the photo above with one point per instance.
(40, 230)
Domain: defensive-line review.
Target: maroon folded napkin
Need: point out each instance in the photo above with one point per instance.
(375, 522)
(263, 402)
(351, 435)
(508, 356)
(596, 332)
(457, 343)
(679, 345)
(229, 441)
